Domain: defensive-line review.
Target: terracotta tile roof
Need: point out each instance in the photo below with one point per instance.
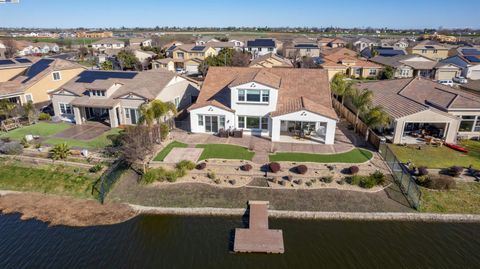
(348, 60)
(108, 41)
(10, 87)
(298, 89)
(189, 47)
(408, 60)
(338, 51)
(266, 57)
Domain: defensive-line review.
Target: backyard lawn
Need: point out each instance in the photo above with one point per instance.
(46, 179)
(41, 129)
(100, 141)
(439, 157)
(162, 154)
(354, 156)
(224, 151)
(465, 198)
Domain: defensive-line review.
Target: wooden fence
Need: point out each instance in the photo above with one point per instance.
(362, 128)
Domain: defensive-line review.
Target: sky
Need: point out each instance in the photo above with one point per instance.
(309, 13)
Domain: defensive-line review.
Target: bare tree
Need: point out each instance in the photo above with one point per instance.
(10, 48)
(241, 58)
(136, 143)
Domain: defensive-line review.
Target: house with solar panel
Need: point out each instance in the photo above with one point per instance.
(468, 59)
(188, 57)
(281, 104)
(430, 50)
(301, 47)
(261, 46)
(38, 78)
(114, 97)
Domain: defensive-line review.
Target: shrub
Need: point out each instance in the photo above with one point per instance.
(11, 148)
(186, 165)
(327, 179)
(274, 167)
(60, 151)
(354, 170)
(422, 179)
(378, 177)
(354, 180)
(211, 175)
(217, 181)
(308, 183)
(172, 175)
(44, 116)
(302, 169)
(283, 182)
(164, 131)
(422, 171)
(38, 145)
(149, 177)
(181, 172)
(299, 181)
(455, 171)
(367, 182)
(246, 167)
(440, 182)
(24, 143)
(201, 166)
(341, 181)
(95, 168)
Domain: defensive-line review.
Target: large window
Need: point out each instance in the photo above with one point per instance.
(65, 108)
(56, 76)
(255, 96)
(251, 122)
(470, 124)
(200, 120)
(97, 93)
(372, 72)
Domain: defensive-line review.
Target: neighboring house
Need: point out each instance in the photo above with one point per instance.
(2, 51)
(363, 43)
(239, 44)
(382, 51)
(417, 104)
(25, 48)
(38, 80)
(10, 68)
(279, 103)
(407, 66)
(140, 42)
(431, 51)
(166, 64)
(467, 58)
(472, 86)
(446, 71)
(113, 97)
(143, 56)
(204, 40)
(331, 42)
(394, 43)
(170, 47)
(108, 43)
(93, 34)
(301, 48)
(271, 60)
(188, 57)
(261, 46)
(338, 51)
(351, 66)
(218, 46)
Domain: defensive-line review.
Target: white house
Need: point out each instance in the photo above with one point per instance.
(284, 104)
(113, 97)
(261, 46)
(140, 42)
(363, 43)
(108, 43)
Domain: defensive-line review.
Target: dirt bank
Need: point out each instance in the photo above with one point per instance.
(60, 210)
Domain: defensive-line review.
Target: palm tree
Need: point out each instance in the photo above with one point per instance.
(375, 117)
(361, 100)
(6, 108)
(340, 87)
(29, 111)
(60, 151)
(161, 109)
(146, 115)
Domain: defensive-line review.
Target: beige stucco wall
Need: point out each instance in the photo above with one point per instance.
(446, 73)
(333, 71)
(46, 84)
(428, 116)
(183, 89)
(366, 72)
(441, 54)
(9, 73)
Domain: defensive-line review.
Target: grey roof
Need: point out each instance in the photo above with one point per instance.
(399, 60)
(108, 41)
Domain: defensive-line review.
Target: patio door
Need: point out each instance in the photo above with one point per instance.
(211, 124)
(133, 116)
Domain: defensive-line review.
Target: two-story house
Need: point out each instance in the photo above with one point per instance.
(137, 43)
(114, 97)
(302, 47)
(108, 43)
(284, 104)
(39, 78)
(261, 46)
(432, 51)
(188, 57)
(468, 59)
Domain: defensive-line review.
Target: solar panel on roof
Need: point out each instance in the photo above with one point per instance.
(473, 59)
(23, 60)
(6, 62)
(470, 52)
(172, 47)
(429, 47)
(37, 68)
(91, 76)
(198, 48)
(261, 43)
(306, 46)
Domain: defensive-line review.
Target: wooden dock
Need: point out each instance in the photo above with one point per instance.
(258, 238)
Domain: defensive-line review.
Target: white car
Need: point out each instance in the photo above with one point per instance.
(460, 80)
(446, 82)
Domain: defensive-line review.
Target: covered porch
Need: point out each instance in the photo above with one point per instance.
(99, 110)
(303, 132)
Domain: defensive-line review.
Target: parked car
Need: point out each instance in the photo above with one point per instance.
(446, 82)
(460, 80)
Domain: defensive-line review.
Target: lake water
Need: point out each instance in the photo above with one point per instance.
(205, 242)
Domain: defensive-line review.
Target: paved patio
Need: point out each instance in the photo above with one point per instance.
(179, 154)
(85, 131)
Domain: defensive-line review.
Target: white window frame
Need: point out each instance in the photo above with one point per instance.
(31, 98)
(372, 72)
(59, 76)
(243, 94)
(177, 101)
(64, 108)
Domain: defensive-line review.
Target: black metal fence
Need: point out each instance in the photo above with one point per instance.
(108, 178)
(402, 176)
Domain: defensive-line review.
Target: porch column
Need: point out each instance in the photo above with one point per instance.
(330, 133)
(112, 114)
(275, 129)
(78, 115)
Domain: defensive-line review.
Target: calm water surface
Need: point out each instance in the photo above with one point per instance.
(204, 242)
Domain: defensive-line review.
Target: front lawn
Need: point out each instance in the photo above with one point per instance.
(166, 150)
(41, 129)
(225, 151)
(98, 142)
(46, 179)
(439, 157)
(465, 198)
(354, 156)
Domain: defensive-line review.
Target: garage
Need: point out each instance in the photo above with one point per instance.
(191, 66)
(446, 71)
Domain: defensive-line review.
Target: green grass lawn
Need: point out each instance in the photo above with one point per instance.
(465, 198)
(98, 142)
(354, 156)
(162, 154)
(42, 129)
(46, 179)
(439, 157)
(224, 151)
